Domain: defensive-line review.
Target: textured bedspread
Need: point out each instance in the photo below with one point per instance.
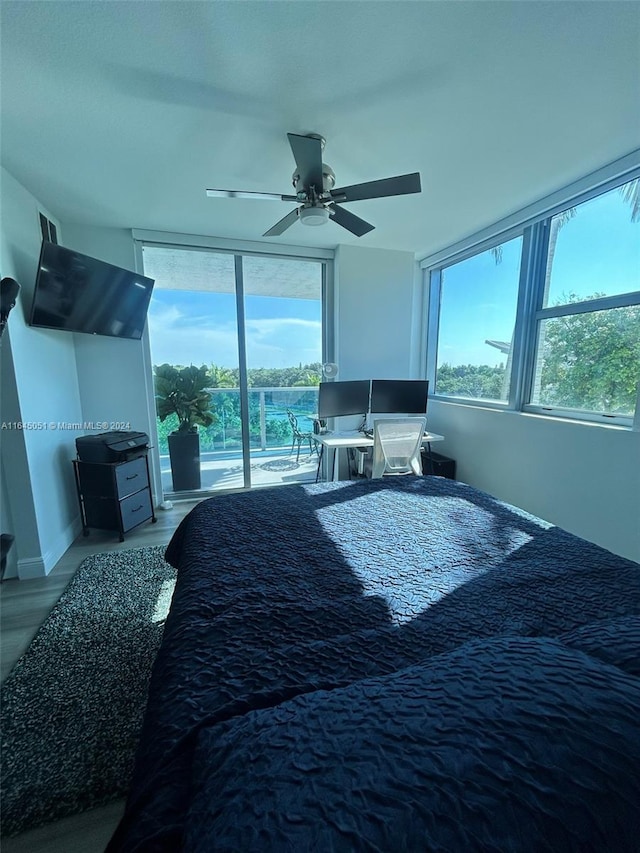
(396, 664)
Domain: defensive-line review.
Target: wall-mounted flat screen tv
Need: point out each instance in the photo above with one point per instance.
(77, 293)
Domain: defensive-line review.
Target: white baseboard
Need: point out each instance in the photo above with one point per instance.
(32, 567)
(38, 567)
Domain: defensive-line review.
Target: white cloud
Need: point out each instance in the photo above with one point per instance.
(282, 325)
(272, 342)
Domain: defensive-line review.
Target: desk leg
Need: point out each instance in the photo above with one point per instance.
(320, 455)
(336, 465)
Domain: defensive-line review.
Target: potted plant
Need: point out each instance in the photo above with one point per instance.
(183, 391)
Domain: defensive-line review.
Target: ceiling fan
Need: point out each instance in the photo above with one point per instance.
(314, 181)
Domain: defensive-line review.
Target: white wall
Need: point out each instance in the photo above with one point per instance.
(113, 373)
(582, 477)
(7, 525)
(55, 377)
(39, 387)
(18, 507)
(375, 292)
(376, 332)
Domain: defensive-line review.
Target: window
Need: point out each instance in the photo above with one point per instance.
(588, 342)
(594, 248)
(548, 318)
(478, 299)
(589, 361)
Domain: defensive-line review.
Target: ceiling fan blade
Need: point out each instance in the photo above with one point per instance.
(400, 185)
(349, 221)
(307, 151)
(281, 226)
(243, 194)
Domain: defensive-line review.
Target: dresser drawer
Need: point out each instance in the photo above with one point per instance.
(131, 477)
(101, 512)
(135, 509)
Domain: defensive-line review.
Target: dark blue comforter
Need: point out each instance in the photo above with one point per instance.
(396, 664)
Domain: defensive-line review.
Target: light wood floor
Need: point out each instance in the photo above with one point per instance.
(24, 605)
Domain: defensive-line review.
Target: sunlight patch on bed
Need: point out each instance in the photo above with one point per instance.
(456, 543)
(163, 601)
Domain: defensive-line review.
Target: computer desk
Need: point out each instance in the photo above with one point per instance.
(344, 439)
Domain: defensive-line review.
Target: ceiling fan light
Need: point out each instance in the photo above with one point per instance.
(314, 215)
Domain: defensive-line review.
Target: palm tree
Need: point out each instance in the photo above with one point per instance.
(631, 194)
(221, 377)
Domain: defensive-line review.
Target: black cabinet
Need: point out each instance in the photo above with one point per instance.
(114, 496)
(438, 465)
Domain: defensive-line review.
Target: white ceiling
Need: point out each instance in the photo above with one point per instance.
(122, 113)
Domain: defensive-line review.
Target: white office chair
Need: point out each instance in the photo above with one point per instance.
(396, 446)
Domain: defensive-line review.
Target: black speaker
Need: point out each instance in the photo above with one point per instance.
(438, 465)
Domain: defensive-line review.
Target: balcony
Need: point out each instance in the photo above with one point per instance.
(273, 459)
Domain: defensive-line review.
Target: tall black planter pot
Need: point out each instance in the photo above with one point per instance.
(184, 453)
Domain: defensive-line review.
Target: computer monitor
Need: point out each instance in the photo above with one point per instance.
(404, 396)
(338, 399)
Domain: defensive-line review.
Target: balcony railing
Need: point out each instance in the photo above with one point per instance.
(269, 427)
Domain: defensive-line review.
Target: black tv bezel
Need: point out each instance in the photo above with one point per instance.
(397, 382)
(363, 385)
(106, 265)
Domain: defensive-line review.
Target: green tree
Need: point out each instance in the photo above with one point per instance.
(591, 361)
(479, 381)
(284, 377)
(223, 377)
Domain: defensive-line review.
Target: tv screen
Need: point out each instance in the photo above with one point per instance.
(404, 396)
(77, 293)
(336, 399)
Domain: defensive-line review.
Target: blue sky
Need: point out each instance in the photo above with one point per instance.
(590, 258)
(597, 251)
(200, 328)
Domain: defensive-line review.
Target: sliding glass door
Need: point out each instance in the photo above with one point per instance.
(253, 326)
(283, 342)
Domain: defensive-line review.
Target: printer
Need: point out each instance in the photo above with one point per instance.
(117, 446)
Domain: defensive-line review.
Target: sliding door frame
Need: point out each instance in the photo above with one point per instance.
(239, 249)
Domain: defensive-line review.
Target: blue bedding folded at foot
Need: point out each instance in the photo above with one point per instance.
(472, 751)
(285, 592)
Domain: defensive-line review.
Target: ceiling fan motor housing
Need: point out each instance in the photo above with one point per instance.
(328, 182)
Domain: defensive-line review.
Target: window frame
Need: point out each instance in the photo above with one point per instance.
(434, 303)
(589, 306)
(534, 230)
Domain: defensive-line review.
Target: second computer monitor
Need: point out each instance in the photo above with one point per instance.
(404, 396)
(338, 399)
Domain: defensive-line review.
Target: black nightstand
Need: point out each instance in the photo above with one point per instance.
(114, 496)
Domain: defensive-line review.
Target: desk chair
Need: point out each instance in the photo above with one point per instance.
(397, 443)
(299, 437)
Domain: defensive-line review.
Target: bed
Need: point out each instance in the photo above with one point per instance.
(395, 664)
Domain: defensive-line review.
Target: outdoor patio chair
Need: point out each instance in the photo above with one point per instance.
(300, 437)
